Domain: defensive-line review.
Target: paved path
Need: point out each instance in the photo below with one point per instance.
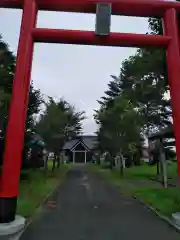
(90, 209)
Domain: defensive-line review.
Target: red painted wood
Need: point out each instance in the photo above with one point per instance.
(89, 38)
(143, 8)
(173, 63)
(17, 113)
(11, 3)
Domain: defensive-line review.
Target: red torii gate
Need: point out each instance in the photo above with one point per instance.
(30, 34)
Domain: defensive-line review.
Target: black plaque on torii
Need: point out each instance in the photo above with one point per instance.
(103, 19)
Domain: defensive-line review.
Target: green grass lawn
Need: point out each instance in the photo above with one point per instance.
(146, 172)
(136, 182)
(35, 186)
(165, 201)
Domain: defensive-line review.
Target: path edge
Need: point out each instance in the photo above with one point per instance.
(157, 213)
(161, 216)
(40, 206)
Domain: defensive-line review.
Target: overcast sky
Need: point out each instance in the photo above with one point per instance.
(80, 74)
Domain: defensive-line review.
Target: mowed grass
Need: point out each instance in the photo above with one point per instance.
(165, 201)
(37, 184)
(137, 182)
(148, 172)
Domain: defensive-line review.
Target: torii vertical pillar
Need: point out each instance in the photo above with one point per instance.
(17, 116)
(173, 64)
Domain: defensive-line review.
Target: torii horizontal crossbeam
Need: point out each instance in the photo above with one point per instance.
(89, 38)
(141, 8)
(167, 10)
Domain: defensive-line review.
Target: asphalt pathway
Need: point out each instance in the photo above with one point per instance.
(87, 208)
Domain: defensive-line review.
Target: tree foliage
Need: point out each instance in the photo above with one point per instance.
(7, 67)
(59, 122)
(136, 101)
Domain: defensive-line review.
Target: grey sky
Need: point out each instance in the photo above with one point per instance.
(80, 74)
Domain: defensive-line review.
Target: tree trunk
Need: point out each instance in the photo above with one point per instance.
(54, 163)
(157, 168)
(58, 161)
(163, 164)
(121, 165)
(46, 163)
